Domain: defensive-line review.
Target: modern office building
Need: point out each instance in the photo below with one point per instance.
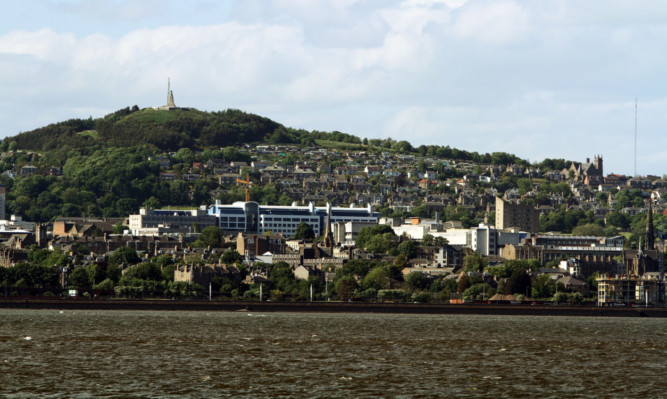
(251, 217)
(160, 221)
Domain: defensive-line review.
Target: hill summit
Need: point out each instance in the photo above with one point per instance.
(167, 130)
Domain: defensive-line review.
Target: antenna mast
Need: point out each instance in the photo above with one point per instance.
(635, 136)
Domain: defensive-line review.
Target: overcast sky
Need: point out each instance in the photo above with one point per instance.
(540, 79)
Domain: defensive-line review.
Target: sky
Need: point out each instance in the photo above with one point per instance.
(538, 79)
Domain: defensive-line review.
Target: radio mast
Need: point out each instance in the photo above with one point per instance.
(635, 136)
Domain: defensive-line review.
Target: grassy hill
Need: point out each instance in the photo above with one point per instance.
(163, 130)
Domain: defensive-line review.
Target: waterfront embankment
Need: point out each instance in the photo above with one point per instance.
(334, 307)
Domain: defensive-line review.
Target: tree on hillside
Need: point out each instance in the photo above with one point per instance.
(589, 229)
(474, 262)
(408, 248)
(230, 257)
(119, 228)
(367, 233)
(210, 236)
(125, 255)
(304, 231)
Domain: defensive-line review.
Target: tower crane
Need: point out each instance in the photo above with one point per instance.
(247, 184)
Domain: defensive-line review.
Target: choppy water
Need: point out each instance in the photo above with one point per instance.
(120, 354)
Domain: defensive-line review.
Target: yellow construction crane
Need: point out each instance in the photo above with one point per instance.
(247, 184)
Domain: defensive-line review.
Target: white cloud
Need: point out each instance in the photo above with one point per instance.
(540, 79)
(494, 22)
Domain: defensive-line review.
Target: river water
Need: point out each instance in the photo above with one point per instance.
(149, 354)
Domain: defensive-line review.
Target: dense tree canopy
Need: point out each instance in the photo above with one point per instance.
(304, 231)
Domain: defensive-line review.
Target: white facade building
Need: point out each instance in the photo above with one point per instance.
(254, 218)
(157, 221)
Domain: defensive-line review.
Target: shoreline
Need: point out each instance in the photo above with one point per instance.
(333, 307)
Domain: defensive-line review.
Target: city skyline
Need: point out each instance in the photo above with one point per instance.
(554, 79)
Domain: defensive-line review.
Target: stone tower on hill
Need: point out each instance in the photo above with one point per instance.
(170, 100)
(170, 95)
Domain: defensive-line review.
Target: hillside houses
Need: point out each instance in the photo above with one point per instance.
(496, 212)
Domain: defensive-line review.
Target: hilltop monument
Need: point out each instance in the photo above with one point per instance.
(170, 100)
(170, 95)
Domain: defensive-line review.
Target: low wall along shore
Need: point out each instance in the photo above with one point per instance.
(352, 307)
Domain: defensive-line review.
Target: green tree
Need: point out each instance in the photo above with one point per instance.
(119, 228)
(95, 273)
(125, 255)
(377, 278)
(79, 279)
(560, 297)
(185, 155)
(104, 285)
(345, 287)
(113, 273)
(211, 236)
(31, 275)
(619, 220)
(463, 282)
(440, 242)
(367, 233)
(401, 261)
(418, 280)
(544, 287)
(304, 231)
(428, 240)
(576, 298)
(517, 283)
(357, 267)
(408, 248)
(474, 262)
(479, 291)
(144, 271)
(230, 257)
(381, 243)
(589, 229)
(152, 203)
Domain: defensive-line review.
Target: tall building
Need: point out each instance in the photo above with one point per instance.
(251, 217)
(510, 214)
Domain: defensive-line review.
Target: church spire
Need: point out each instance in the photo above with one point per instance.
(649, 242)
(328, 233)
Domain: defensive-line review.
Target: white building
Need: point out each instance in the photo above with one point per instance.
(156, 222)
(484, 239)
(17, 223)
(346, 233)
(254, 218)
